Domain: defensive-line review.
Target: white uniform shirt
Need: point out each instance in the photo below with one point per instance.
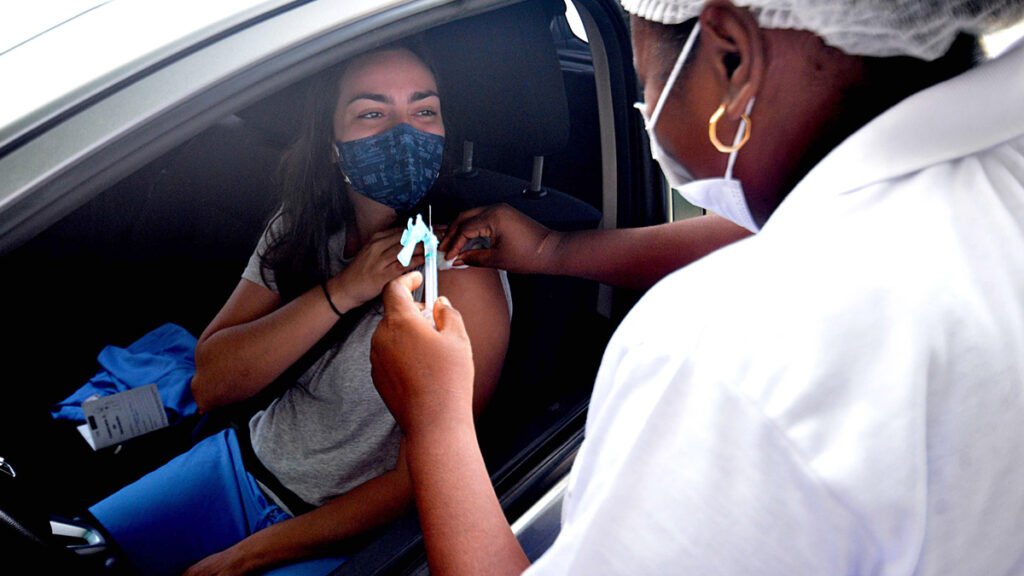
(842, 393)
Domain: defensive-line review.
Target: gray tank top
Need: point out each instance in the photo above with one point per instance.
(330, 431)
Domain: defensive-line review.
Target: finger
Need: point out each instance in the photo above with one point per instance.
(448, 239)
(389, 250)
(390, 245)
(483, 257)
(454, 230)
(393, 269)
(416, 261)
(448, 319)
(397, 295)
(390, 254)
(467, 215)
(470, 231)
(387, 232)
(386, 247)
(395, 246)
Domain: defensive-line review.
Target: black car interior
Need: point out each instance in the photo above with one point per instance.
(168, 244)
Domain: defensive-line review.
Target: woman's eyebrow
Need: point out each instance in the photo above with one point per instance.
(371, 96)
(423, 95)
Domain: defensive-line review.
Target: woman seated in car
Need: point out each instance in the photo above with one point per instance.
(329, 462)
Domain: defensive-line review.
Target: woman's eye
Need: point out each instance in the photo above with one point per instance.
(371, 115)
(427, 113)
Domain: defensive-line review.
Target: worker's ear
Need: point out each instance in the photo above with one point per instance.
(735, 42)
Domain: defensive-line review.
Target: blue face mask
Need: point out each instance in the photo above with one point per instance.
(395, 167)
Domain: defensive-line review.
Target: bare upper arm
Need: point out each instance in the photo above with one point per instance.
(247, 302)
(478, 295)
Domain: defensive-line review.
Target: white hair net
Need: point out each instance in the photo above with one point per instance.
(920, 28)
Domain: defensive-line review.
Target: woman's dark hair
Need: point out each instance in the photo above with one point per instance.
(315, 205)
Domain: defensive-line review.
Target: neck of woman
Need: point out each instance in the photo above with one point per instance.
(371, 217)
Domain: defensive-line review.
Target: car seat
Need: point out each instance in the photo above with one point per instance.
(505, 98)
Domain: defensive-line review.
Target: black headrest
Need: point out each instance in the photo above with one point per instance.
(501, 80)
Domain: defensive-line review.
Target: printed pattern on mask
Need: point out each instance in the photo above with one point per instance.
(396, 167)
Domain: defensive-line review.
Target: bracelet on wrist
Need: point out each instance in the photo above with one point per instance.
(330, 302)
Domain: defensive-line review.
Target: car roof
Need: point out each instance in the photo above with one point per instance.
(58, 54)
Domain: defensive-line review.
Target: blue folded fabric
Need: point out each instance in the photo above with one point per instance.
(201, 502)
(165, 356)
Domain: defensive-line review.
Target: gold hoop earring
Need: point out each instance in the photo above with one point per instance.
(713, 131)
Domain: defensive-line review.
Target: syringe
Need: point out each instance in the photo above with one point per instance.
(415, 233)
(430, 265)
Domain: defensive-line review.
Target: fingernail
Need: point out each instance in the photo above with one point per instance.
(444, 301)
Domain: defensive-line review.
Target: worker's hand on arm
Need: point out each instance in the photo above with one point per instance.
(425, 376)
(517, 242)
(626, 257)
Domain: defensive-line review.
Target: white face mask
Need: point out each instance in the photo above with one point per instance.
(723, 196)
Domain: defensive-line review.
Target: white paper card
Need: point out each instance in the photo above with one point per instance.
(115, 418)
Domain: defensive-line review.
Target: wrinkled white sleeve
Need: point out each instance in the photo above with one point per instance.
(703, 484)
(680, 475)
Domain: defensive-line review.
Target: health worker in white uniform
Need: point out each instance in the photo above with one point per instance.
(841, 392)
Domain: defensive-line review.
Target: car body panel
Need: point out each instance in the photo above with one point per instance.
(91, 50)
